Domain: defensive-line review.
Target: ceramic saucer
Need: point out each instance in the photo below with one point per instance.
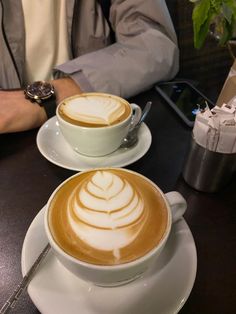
(53, 147)
(164, 288)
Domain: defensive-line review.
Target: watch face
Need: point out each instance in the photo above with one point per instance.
(40, 90)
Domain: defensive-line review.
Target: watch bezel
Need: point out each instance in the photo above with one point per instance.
(32, 94)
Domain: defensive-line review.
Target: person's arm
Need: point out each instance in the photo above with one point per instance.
(145, 52)
(20, 114)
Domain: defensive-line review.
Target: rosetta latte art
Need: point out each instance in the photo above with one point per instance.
(106, 212)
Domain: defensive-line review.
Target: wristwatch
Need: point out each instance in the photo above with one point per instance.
(42, 93)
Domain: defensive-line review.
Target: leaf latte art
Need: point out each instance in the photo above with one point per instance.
(107, 216)
(106, 212)
(94, 110)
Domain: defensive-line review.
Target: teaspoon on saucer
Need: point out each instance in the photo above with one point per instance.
(132, 136)
(11, 302)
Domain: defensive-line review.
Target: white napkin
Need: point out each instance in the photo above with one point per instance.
(215, 129)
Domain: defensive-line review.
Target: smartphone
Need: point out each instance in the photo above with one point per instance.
(184, 98)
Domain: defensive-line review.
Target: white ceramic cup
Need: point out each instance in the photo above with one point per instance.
(97, 141)
(119, 274)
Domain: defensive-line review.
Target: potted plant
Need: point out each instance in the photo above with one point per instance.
(217, 17)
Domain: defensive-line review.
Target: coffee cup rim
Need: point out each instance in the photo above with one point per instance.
(93, 127)
(139, 260)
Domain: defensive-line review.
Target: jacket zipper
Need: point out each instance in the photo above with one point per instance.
(7, 44)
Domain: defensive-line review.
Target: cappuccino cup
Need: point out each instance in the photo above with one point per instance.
(108, 225)
(94, 124)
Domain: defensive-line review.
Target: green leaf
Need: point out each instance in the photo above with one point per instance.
(227, 12)
(201, 20)
(221, 14)
(216, 5)
(200, 13)
(201, 34)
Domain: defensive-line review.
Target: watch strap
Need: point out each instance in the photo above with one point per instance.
(50, 106)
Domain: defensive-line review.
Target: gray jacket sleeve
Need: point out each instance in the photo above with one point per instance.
(145, 51)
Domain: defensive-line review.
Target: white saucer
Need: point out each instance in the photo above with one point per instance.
(164, 288)
(53, 147)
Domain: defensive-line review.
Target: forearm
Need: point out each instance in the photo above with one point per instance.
(20, 114)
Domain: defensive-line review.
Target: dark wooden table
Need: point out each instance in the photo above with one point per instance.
(27, 179)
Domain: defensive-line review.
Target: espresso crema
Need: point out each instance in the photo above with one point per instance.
(94, 110)
(107, 217)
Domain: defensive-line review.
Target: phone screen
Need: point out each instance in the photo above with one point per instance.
(186, 98)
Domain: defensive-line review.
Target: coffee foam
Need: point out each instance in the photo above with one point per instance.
(107, 217)
(94, 109)
(106, 212)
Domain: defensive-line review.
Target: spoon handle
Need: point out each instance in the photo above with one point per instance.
(145, 111)
(10, 303)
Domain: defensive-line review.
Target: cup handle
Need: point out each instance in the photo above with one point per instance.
(177, 204)
(136, 115)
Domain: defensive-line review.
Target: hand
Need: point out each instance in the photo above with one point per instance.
(20, 114)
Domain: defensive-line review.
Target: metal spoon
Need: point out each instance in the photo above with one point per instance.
(132, 137)
(11, 301)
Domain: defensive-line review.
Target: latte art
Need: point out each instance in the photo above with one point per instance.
(106, 212)
(94, 110)
(107, 216)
